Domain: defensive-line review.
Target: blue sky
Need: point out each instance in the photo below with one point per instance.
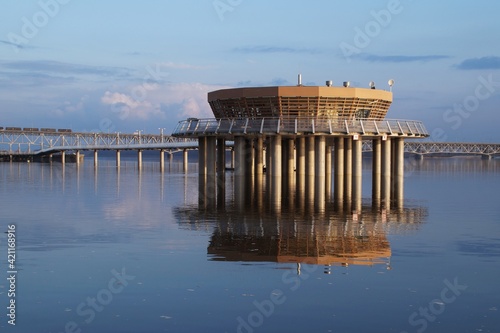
(121, 66)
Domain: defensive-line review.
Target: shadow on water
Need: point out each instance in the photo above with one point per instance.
(251, 222)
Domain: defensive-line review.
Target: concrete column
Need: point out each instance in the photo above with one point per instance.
(139, 159)
(63, 157)
(386, 173)
(310, 147)
(348, 169)
(328, 171)
(77, 158)
(376, 170)
(320, 172)
(259, 156)
(118, 158)
(399, 170)
(290, 163)
(301, 159)
(276, 172)
(185, 160)
(339, 170)
(202, 156)
(357, 173)
(249, 158)
(95, 158)
(221, 156)
(232, 158)
(239, 151)
(211, 156)
(162, 159)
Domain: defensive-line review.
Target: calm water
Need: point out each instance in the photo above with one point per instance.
(129, 251)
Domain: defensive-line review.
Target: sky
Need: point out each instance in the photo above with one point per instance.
(122, 66)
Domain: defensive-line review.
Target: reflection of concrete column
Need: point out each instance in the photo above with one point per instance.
(357, 173)
(339, 170)
(118, 158)
(348, 170)
(185, 160)
(376, 170)
(211, 155)
(202, 156)
(386, 172)
(139, 159)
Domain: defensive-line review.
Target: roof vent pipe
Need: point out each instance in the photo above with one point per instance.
(299, 80)
(329, 83)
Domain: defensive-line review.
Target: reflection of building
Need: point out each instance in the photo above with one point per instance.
(292, 236)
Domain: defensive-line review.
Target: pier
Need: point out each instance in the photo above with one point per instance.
(300, 134)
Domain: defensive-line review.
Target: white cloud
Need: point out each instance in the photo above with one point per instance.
(149, 102)
(181, 65)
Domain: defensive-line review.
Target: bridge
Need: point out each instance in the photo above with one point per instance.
(30, 143)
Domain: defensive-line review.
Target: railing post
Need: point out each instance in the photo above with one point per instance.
(262, 126)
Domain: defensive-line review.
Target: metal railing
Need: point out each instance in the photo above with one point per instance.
(305, 125)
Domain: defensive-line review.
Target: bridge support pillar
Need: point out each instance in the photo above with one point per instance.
(95, 158)
(185, 160)
(118, 158)
(486, 157)
(357, 171)
(77, 158)
(386, 172)
(139, 159)
(339, 170)
(289, 148)
(376, 170)
(63, 157)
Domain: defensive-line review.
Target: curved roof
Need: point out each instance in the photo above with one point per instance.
(300, 101)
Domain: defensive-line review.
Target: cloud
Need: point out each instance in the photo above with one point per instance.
(399, 58)
(277, 49)
(57, 67)
(174, 65)
(479, 63)
(170, 101)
